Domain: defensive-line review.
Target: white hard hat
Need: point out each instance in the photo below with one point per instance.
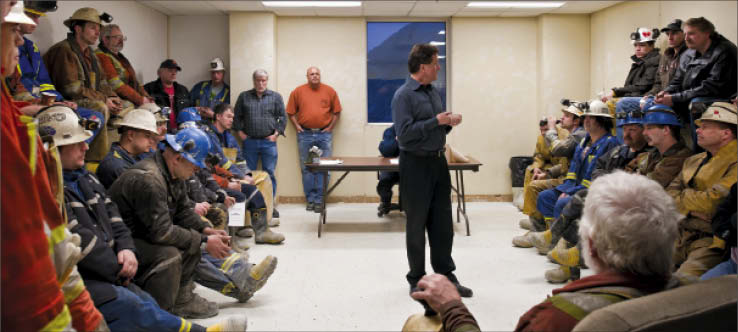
(156, 110)
(17, 15)
(217, 64)
(643, 35)
(63, 124)
(720, 112)
(598, 108)
(139, 119)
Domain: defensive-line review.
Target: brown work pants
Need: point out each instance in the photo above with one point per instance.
(162, 270)
(530, 195)
(693, 253)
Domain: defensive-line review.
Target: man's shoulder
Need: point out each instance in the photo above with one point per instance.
(200, 85)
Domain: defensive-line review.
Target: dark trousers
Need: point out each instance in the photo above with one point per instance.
(384, 186)
(425, 188)
(162, 270)
(250, 192)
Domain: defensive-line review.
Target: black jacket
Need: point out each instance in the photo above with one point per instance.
(155, 206)
(181, 96)
(95, 218)
(712, 74)
(616, 158)
(641, 77)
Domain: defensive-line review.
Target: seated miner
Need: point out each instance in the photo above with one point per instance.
(561, 140)
(110, 261)
(137, 132)
(389, 148)
(624, 211)
(240, 183)
(703, 183)
(169, 235)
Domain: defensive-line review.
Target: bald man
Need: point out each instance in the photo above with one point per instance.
(313, 108)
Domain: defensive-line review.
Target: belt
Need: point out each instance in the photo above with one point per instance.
(437, 153)
(314, 129)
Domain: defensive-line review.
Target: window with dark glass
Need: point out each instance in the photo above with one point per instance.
(388, 46)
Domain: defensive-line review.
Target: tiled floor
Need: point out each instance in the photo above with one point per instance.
(353, 278)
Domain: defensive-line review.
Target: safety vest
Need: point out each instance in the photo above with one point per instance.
(31, 67)
(203, 95)
(117, 81)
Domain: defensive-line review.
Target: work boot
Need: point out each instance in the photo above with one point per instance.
(560, 246)
(233, 323)
(310, 206)
(562, 274)
(534, 224)
(567, 257)
(240, 244)
(541, 240)
(318, 207)
(273, 222)
(522, 241)
(263, 233)
(463, 290)
(245, 232)
(192, 306)
(251, 280)
(275, 214)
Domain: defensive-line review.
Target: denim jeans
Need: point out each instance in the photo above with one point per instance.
(626, 104)
(138, 311)
(550, 205)
(724, 268)
(264, 149)
(218, 274)
(312, 183)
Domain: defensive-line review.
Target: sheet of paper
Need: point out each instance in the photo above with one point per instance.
(237, 214)
(331, 161)
(395, 161)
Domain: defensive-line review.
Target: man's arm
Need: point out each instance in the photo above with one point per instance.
(280, 113)
(239, 118)
(334, 119)
(408, 128)
(63, 67)
(115, 82)
(443, 297)
(563, 147)
(706, 202)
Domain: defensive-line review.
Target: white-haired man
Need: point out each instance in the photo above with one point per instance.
(622, 211)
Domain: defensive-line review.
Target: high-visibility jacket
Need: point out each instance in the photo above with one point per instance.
(120, 75)
(202, 95)
(31, 297)
(31, 67)
(583, 163)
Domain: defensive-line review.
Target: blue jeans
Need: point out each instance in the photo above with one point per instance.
(139, 312)
(549, 204)
(219, 274)
(264, 149)
(626, 104)
(724, 268)
(312, 183)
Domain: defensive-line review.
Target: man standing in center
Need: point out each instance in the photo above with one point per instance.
(425, 184)
(313, 109)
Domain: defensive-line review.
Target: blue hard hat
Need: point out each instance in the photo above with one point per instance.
(189, 114)
(661, 115)
(193, 143)
(629, 117)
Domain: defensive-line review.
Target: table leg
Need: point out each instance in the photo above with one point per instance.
(458, 197)
(463, 202)
(321, 217)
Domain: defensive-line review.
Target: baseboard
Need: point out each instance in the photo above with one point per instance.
(375, 199)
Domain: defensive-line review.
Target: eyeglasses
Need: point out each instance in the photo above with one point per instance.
(121, 37)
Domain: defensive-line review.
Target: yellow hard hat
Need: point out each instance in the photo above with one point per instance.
(720, 112)
(84, 14)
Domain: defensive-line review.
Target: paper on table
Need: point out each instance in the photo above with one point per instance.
(395, 161)
(237, 214)
(331, 161)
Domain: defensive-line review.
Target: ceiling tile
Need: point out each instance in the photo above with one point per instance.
(189, 7)
(388, 5)
(519, 14)
(426, 6)
(303, 11)
(238, 5)
(351, 11)
(475, 13)
(436, 13)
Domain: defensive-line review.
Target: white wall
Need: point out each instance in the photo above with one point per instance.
(193, 42)
(145, 28)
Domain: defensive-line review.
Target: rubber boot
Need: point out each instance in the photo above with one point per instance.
(568, 257)
(541, 240)
(263, 233)
(251, 280)
(192, 306)
(233, 323)
(562, 274)
(525, 224)
(560, 246)
(523, 241)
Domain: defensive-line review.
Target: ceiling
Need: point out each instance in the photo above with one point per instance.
(371, 8)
